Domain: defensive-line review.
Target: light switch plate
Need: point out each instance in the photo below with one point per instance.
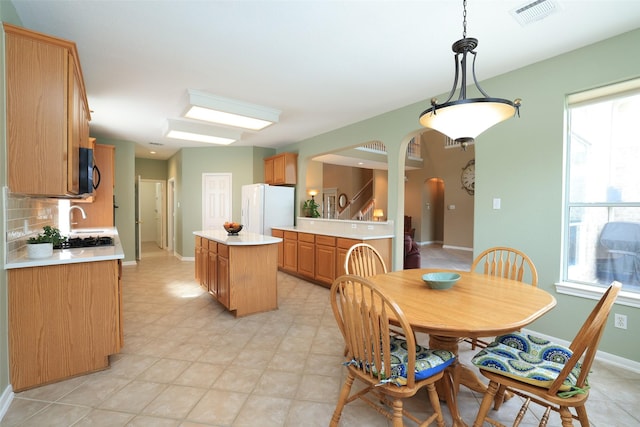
(496, 203)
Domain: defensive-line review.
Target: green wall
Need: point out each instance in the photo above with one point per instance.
(522, 163)
(7, 14)
(152, 169)
(519, 161)
(244, 163)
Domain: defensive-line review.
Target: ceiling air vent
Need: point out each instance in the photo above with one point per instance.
(155, 143)
(534, 11)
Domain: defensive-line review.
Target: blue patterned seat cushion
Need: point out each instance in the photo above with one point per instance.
(428, 362)
(527, 358)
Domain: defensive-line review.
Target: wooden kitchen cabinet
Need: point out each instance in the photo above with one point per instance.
(320, 258)
(47, 113)
(342, 247)
(201, 254)
(306, 254)
(290, 251)
(64, 320)
(243, 278)
(279, 234)
(100, 211)
(212, 269)
(224, 283)
(281, 169)
(325, 259)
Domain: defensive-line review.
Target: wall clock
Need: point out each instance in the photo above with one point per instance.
(468, 177)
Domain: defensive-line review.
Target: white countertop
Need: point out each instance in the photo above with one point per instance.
(69, 256)
(242, 239)
(355, 235)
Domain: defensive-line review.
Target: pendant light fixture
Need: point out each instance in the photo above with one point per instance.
(464, 119)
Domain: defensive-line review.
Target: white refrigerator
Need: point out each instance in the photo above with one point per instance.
(265, 206)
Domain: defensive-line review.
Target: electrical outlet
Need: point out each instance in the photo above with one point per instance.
(620, 321)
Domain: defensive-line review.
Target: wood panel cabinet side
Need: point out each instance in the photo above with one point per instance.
(253, 285)
(64, 320)
(100, 212)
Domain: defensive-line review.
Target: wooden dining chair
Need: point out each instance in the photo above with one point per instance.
(391, 368)
(504, 262)
(549, 374)
(364, 260)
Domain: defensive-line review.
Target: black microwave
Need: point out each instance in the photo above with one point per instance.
(89, 175)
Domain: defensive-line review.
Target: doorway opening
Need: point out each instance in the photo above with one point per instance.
(433, 213)
(152, 215)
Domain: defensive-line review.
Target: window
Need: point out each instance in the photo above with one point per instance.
(602, 199)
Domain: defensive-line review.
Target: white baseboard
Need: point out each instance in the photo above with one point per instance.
(603, 356)
(129, 263)
(5, 401)
(459, 248)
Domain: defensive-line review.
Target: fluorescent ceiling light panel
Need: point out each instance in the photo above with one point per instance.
(199, 132)
(229, 112)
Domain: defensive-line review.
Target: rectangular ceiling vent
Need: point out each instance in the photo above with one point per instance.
(534, 11)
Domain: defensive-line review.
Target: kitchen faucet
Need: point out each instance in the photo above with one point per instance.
(84, 215)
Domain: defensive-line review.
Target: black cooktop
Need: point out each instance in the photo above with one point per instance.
(86, 242)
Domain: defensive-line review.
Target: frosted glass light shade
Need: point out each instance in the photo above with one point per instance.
(468, 118)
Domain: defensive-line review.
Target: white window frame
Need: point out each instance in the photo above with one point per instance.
(581, 289)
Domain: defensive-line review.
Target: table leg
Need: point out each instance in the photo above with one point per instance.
(449, 389)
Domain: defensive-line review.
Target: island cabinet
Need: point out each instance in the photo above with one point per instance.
(241, 277)
(281, 169)
(46, 111)
(64, 320)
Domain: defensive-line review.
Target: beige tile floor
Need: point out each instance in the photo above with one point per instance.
(187, 362)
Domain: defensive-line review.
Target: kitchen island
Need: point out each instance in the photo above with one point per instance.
(240, 272)
(65, 312)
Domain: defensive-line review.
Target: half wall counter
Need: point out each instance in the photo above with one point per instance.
(316, 249)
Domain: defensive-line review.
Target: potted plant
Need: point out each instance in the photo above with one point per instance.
(310, 208)
(41, 245)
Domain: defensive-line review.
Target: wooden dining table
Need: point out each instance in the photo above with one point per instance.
(478, 305)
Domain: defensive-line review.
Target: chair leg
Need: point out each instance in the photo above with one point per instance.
(435, 404)
(489, 395)
(566, 417)
(342, 400)
(397, 413)
(582, 416)
(499, 400)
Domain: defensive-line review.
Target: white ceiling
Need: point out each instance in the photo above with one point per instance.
(324, 64)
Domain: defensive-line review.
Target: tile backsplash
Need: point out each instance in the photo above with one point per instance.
(25, 217)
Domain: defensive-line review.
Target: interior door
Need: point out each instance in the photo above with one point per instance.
(137, 213)
(216, 200)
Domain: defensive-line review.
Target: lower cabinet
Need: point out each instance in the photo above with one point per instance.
(224, 285)
(306, 255)
(64, 320)
(325, 259)
(320, 258)
(290, 252)
(342, 247)
(212, 269)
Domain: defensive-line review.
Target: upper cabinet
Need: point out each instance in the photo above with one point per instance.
(47, 113)
(281, 169)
